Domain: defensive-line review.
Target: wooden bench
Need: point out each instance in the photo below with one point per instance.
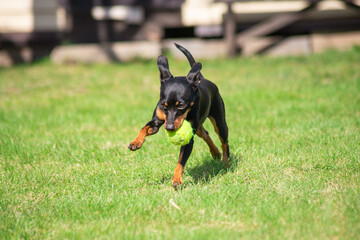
(266, 27)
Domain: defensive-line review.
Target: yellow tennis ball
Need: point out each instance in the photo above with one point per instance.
(182, 136)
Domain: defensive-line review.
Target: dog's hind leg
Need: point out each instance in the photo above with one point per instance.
(222, 131)
(217, 118)
(201, 132)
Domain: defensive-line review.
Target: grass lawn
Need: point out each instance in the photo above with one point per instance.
(66, 172)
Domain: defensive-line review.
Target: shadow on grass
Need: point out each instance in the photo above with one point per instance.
(210, 168)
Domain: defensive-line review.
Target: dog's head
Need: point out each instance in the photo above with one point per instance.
(177, 94)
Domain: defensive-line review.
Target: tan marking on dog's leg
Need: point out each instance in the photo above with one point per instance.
(177, 178)
(140, 138)
(226, 157)
(201, 132)
(224, 145)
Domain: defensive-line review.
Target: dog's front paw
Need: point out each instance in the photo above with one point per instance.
(177, 184)
(135, 145)
(177, 178)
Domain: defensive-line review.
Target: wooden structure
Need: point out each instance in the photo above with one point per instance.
(265, 27)
(32, 28)
(29, 29)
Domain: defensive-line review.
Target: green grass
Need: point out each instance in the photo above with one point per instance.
(66, 172)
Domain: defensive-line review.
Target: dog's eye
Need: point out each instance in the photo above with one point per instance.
(181, 107)
(164, 106)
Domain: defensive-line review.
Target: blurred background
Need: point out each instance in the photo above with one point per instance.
(121, 30)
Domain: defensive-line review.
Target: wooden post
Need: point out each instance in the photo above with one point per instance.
(64, 35)
(230, 31)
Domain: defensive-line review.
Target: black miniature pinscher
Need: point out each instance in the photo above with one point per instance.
(192, 98)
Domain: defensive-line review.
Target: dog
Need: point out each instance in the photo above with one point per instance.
(192, 98)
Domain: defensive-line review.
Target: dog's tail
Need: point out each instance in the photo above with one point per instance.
(186, 53)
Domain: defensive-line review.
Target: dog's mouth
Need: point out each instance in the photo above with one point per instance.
(175, 125)
(171, 127)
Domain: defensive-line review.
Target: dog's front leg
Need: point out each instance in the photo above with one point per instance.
(185, 152)
(150, 128)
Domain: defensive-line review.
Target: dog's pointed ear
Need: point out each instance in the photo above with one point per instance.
(194, 76)
(163, 66)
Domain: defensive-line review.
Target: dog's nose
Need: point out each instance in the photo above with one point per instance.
(170, 127)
